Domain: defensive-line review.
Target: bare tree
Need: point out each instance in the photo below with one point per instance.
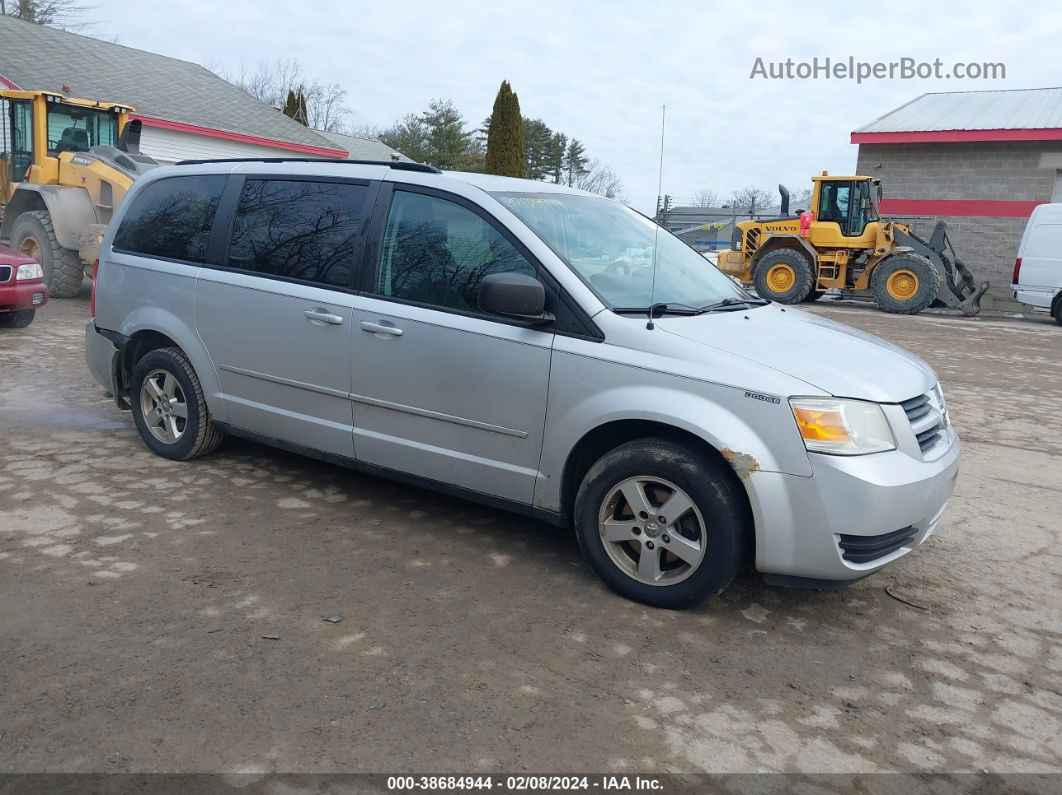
(751, 200)
(270, 81)
(601, 179)
(63, 14)
(705, 197)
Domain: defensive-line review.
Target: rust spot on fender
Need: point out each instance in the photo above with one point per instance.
(743, 463)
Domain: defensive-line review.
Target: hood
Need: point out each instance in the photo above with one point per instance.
(835, 358)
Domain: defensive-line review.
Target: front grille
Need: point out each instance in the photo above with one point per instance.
(926, 415)
(864, 549)
(5, 273)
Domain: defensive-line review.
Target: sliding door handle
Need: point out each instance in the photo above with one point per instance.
(323, 316)
(380, 328)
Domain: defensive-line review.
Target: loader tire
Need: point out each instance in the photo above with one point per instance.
(905, 284)
(785, 276)
(34, 236)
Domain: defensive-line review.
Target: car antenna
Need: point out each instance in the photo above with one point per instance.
(656, 232)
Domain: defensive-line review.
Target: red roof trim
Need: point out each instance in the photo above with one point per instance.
(180, 126)
(990, 208)
(9, 84)
(956, 136)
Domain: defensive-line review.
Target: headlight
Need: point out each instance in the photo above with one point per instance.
(842, 427)
(31, 270)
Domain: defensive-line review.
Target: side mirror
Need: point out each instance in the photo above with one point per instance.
(514, 295)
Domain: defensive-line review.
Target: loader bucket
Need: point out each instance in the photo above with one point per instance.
(960, 291)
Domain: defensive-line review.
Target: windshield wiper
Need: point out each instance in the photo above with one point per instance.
(657, 310)
(733, 305)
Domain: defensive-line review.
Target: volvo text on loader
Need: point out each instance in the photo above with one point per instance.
(842, 242)
(65, 164)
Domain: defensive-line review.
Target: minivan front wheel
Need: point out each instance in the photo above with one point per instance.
(660, 523)
(168, 406)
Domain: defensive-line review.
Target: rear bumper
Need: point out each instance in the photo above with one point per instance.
(18, 296)
(1040, 297)
(853, 516)
(101, 356)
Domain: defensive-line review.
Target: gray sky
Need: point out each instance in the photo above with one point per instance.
(600, 71)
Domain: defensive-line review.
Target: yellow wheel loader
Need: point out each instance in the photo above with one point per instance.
(65, 164)
(841, 242)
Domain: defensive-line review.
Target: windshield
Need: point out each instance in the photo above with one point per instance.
(610, 247)
(75, 129)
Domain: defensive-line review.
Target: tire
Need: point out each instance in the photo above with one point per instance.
(785, 276)
(905, 284)
(19, 319)
(714, 523)
(814, 295)
(172, 375)
(1058, 311)
(34, 234)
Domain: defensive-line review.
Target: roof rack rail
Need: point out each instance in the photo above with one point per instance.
(400, 165)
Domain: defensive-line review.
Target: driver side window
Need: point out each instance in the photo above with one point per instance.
(833, 203)
(437, 252)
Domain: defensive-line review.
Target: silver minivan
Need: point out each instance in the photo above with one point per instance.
(526, 345)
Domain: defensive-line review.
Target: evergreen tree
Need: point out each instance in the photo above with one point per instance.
(558, 146)
(505, 135)
(538, 139)
(449, 145)
(575, 162)
(295, 107)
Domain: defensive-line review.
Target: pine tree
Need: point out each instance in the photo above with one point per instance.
(295, 107)
(505, 135)
(538, 138)
(575, 162)
(558, 146)
(449, 146)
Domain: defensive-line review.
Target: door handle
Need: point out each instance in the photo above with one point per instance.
(380, 328)
(323, 316)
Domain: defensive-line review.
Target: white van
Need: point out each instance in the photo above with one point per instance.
(1037, 279)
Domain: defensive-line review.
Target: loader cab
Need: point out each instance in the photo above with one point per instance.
(850, 202)
(36, 127)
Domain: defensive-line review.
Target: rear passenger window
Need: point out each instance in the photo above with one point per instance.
(298, 230)
(171, 218)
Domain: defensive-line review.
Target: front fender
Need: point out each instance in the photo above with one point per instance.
(751, 433)
(70, 209)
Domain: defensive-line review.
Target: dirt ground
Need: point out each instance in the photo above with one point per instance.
(160, 616)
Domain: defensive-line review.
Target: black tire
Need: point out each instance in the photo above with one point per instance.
(1058, 311)
(198, 436)
(814, 295)
(713, 491)
(62, 268)
(802, 276)
(19, 319)
(928, 283)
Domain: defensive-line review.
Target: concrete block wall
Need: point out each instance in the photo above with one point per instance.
(1007, 171)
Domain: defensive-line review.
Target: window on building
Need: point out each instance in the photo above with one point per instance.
(437, 252)
(172, 218)
(298, 230)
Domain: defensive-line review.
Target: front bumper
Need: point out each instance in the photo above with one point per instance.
(800, 521)
(101, 355)
(19, 296)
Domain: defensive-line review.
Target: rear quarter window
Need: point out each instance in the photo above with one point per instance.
(172, 218)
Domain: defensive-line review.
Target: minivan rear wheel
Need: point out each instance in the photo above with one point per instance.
(168, 406)
(660, 523)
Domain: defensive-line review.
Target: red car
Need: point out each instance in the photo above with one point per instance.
(22, 289)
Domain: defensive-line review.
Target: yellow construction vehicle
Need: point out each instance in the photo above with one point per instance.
(65, 164)
(841, 242)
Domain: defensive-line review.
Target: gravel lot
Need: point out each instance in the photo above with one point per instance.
(160, 616)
